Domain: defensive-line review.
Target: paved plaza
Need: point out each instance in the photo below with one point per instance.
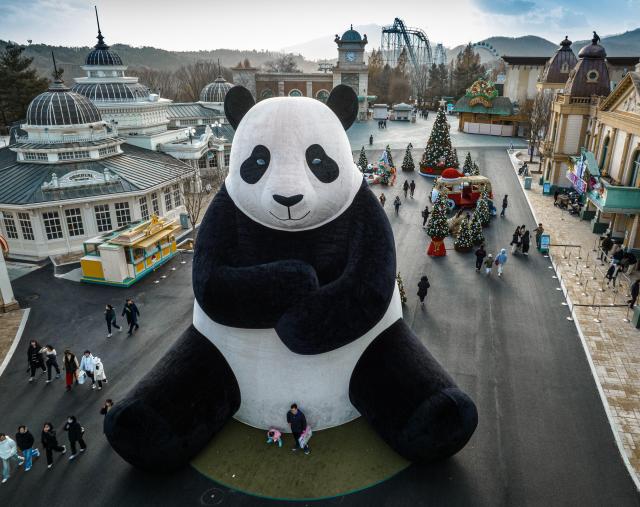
(543, 436)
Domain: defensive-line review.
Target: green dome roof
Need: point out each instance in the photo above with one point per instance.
(351, 35)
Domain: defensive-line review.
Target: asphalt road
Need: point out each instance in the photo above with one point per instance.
(543, 437)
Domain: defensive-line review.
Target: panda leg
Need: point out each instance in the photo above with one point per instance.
(170, 415)
(409, 399)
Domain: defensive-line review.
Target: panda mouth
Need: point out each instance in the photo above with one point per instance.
(289, 218)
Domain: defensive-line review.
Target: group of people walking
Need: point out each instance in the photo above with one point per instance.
(521, 240)
(488, 260)
(22, 450)
(129, 311)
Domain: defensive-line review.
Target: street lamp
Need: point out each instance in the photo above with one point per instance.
(216, 125)
(191, 131)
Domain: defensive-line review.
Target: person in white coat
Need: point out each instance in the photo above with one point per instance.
(98, 372)
(87, 364)
(8, 452)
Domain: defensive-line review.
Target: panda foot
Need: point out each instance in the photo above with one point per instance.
(439, 427)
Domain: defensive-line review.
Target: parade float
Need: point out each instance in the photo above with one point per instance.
(438, 154)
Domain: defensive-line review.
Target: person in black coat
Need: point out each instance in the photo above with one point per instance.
(423, 288)
(635, 290)
(34, 358)
(50, 443)
(131, 312)
(481, 253)
(75, 432)
(24, 441)
(525, 241)
(515, 240)
(298, 423)
(605, 246)
(425, 216)
(505, 203)
(110, 317)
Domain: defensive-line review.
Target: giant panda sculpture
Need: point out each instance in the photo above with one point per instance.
(295, 301)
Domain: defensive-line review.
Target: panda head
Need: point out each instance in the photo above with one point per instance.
(291, 166)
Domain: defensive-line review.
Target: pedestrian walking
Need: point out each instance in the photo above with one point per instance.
(75, 432)
(110, 317)
(488, 265)
(605, 247)
(298, 423)
(99, 374)
(617, 253)
(88, 365)
(481, 253)
(50, 443)
(412, 188)
(555, 197)
(8, 453)
(425, 216)
(51, 361)
(397, 204)
(538, 230)
(515, 240)
(34, 358)
(132, 313)
(635, 291)
(383, 199)
(612, 274)
(405, 188)
(525, 240)
(423, 288)
(71, 367)
(505, 203)
(371, 140)
(501, 260)
(108, 405)
(25, 441)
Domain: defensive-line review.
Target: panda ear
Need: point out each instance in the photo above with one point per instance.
(236, 104)
(343, 101)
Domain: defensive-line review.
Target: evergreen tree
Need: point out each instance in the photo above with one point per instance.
(388, 150)
(403, 295)
(437, 226)
(467, 70)
(475, 229)
(468, 164)
(475, 170)
(362, 160)
(439, 152)
(407, 163)
(482, 209)
(19, 84)
(438, 80)
(464, 241)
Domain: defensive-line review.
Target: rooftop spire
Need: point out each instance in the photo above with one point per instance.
(57, 83)
(100, 44)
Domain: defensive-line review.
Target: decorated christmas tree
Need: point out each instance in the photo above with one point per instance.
(403, 295)
(482, 209)
(439, 154)
(362, 161)
(388, 150)
(407, 163)
(468, 164)
(464, 242)
(475, 228)
(437, 227)
(475, 170)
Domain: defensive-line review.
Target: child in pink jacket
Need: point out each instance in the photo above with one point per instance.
(274, 437)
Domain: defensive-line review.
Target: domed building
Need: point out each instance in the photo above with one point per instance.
(591, 74)
(214, 93)
(556, 71)
(69, 176)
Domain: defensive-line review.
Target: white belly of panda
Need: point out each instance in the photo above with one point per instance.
(271, 377)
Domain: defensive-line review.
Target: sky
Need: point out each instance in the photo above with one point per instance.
(276, 24)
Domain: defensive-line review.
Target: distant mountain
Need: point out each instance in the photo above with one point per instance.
(324, 48)
(528, 45)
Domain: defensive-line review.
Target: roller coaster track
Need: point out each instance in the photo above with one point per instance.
(398, 36)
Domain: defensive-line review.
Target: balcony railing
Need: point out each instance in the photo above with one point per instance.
(58, 139)
(615, 198)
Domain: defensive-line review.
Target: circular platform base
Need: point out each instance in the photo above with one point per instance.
(343, 460)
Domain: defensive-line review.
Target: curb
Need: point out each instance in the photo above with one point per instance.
(16, 340)
(583, 341)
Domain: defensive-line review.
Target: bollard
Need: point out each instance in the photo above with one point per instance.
(564, 254)
(576, 271)
(579, 275)
(580, 253)
(597, 319)
(626, 317)
(595, 267)
(584, 290)
(593, 303)
(601, 289)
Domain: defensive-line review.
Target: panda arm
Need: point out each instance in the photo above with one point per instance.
(345, 309)
(247, 296)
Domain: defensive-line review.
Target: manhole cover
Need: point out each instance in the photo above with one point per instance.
(213, 496)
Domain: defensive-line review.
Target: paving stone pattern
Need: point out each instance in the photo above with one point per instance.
(614, 345)
(9, 324)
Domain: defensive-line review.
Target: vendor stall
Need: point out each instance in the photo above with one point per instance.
(124, 256)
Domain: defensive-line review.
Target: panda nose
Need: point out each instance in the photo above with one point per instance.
(292, 200)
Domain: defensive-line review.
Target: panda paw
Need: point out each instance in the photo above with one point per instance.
(440, 427)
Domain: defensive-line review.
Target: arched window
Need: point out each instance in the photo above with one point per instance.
(635, 169)
(603, 154)
(295, 93)
(266, 93)
(322, 95)
(564, 69)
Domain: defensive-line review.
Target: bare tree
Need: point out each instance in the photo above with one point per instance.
(163, 82)
(284, 62)
(419, 79)
(193, 78)
(537, 112)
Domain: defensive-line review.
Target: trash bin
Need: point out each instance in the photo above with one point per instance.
(546, 188)
(635, 320)
(545, 241)
(184, 220)
(527, 182)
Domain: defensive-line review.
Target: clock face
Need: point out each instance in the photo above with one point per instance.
(350, 56)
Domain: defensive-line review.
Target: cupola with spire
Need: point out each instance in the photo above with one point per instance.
(561, 64)
(591, 75)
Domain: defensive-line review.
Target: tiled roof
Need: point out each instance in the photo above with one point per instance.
(138, 169)
(501, 106)
(192, 110)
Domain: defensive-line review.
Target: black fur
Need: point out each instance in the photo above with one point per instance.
(320, 289)
(343, 101)
(237, 102)
(409, 399)
(167, 418)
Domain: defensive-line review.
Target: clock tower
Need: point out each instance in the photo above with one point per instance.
(351, 69)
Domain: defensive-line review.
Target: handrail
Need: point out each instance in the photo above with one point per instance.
(66, 139)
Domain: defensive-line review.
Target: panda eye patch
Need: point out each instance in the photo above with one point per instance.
(322, 165)
(254, 167)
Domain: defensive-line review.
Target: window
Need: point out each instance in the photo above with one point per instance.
(10, 226)
(74, 222)
(635, 169)
(35, 156)
(176, 195)
(592, 76)
(202, 162)
(154, 204)
(168, 205)
(73, 155)
(144, 208)
(123, 214)
(103, 217)
(564, 69)
(322, 95)
(295, 93)
(186, 122)
(603, 155)
(52, 225)
(107, 151)
(227, 154)
(25, 226)
(266, 94)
